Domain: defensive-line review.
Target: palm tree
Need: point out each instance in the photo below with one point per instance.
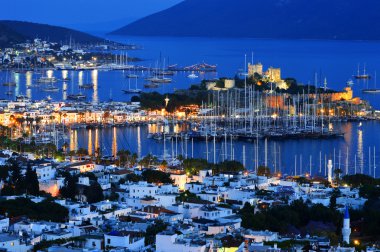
(133, 159)
(81, 152)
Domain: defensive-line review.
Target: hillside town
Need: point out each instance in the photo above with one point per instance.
(148, 205)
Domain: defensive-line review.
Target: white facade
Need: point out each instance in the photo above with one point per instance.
(124, 240)
(4, 224)
(142, 189)
(179, 180)
(167, 242)
(45, 172)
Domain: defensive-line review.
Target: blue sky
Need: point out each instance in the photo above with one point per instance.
(88, 15)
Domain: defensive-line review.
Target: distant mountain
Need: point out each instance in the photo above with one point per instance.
(12, 32)
(288, 19)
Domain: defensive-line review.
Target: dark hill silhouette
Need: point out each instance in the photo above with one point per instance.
(289, 19)
(12, 32)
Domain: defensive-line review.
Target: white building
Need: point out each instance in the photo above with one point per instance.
(45, 172)
(12, 243)
(169, 242)
(261, 236)
(133, 241)
(142, 189)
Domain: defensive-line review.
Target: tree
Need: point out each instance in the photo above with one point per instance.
(337, 173)
(157, 177)
(81, 152)
(228, 166)
(31, 181)
(94, 193)
(192, 166)
(69, 191)
(153, 230)
(334, 195)
(45, 210)
(263, 171)
(185, 196)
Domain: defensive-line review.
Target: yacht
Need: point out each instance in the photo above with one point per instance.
(350, 83)
(45, 79)
(132, 76)
(132, 91)
(87, 86)
(50, 89)
(151, 85)
(159, 80)
(371, 91)
(192, 76)
(76, 97)
(9, 84)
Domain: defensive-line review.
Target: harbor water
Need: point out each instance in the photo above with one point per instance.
(336, 61)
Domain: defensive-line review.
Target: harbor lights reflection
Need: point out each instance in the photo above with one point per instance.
(360, 150)
(94, 79)
(90, 142)
(17, 80)
(96, 142)
(114, 142)
(65, 74)
(73, 140)
(49, 73)
(80, 78)
(139, 141)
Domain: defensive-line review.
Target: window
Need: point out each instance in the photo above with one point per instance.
(108, 241)
(12, 243)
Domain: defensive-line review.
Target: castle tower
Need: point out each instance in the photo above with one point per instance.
(346, 230)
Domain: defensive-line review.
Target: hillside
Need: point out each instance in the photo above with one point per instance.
(288, 19)
(12, 32)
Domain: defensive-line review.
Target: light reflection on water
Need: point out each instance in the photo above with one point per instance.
(281, 154)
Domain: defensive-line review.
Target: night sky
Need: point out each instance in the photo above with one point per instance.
(86, 15)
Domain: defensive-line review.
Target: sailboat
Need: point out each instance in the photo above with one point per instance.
(75, 97)
(8, 82)
(87, 85)
(372, 90)
(131, 75)
(9, 92)
(159, 77)
(132, 90)
(361, 76)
